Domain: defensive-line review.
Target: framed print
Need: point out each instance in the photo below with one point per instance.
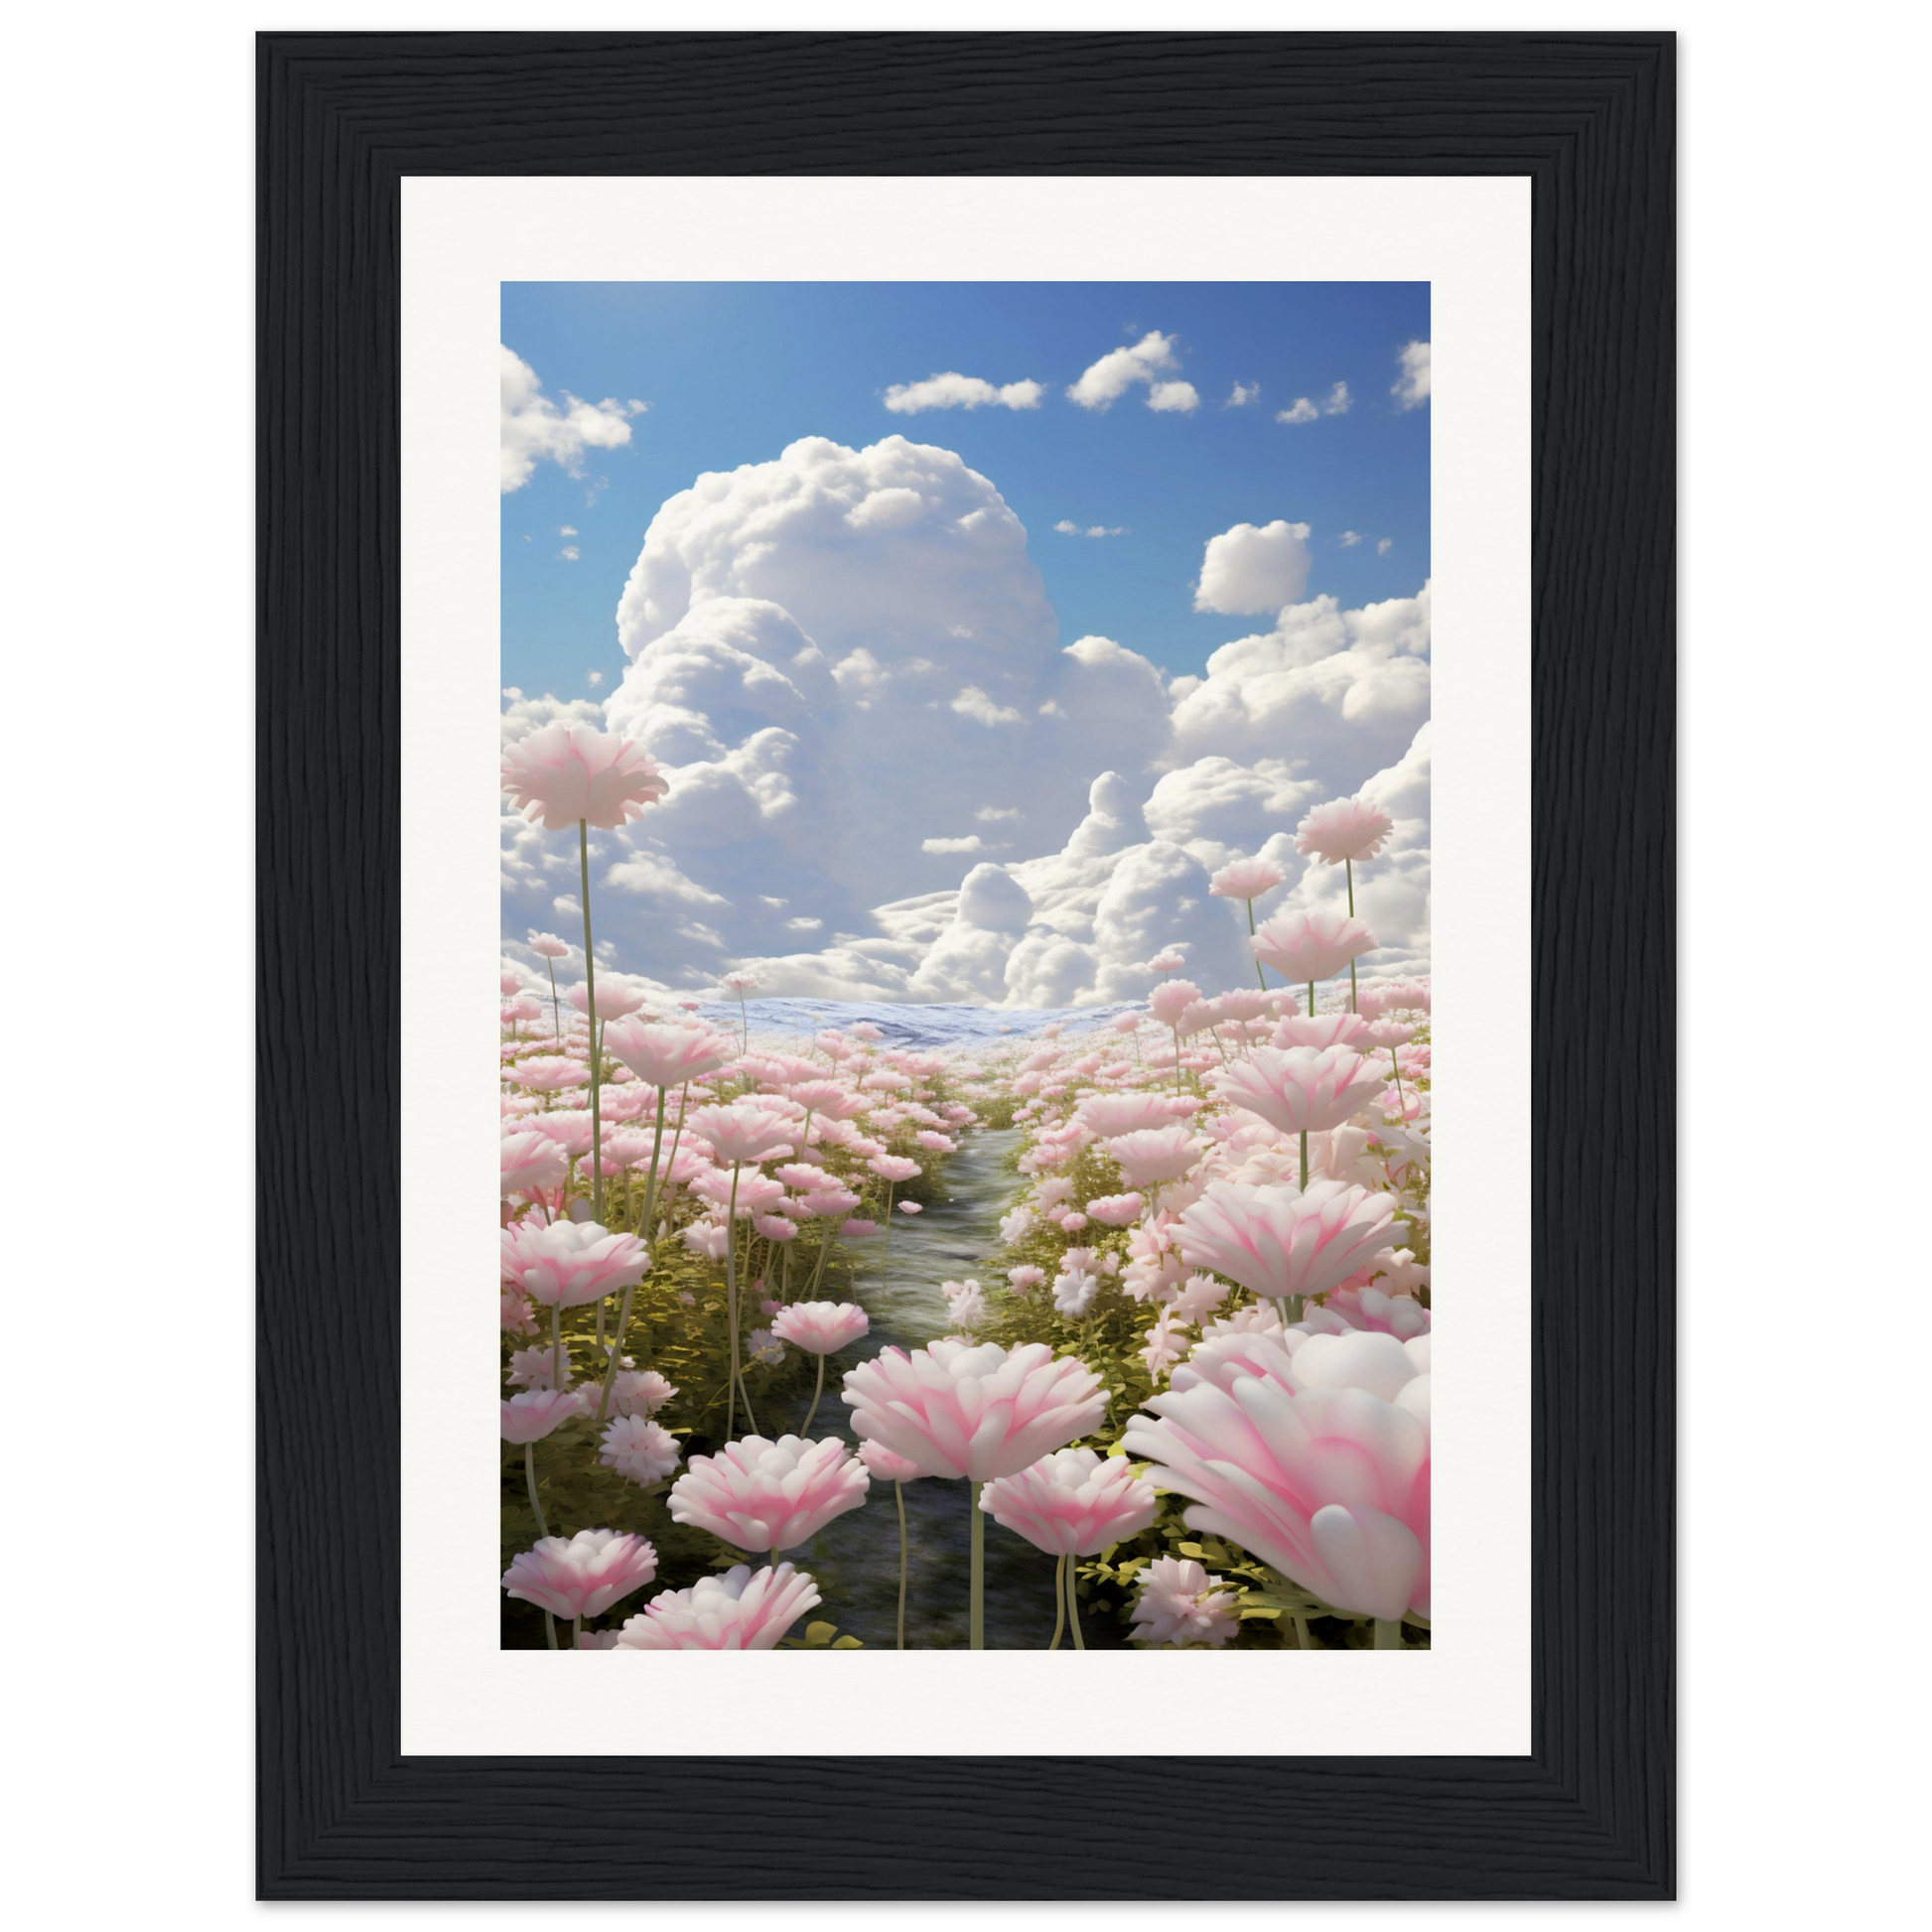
(985, 694)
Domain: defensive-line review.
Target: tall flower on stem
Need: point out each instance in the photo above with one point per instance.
(1285, 1243)
(770, 1496)
(1249, 880)
(549, 948)
(820, 1329)
(1308, 946)
(738, 985)
(973, 1410)
(1070, 1504)
(1338, 833)
(890, 1466)
(744, 1132)
(572, 771)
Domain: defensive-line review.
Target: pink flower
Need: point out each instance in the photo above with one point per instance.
(532, 1161)
(1170, 961)
(640, 1392)
(965, 1304)
(1116, 1210)
(858, 1229)
(708, 1239)
(1106, 1115)
(530, 1369)
(757, 1494)
(827, 1199)
(663, 1055)
(1329, 1486)
(548, 1073)
(564, 1263)
(639, 1450)
(744, 1610)
(1345, 828)
(614, 998)
(739, 983)
(744, 1130)
(829, 1099)
(583, 1577)
(911, 1208)
(888, 1466)
(1154, 1154)
(1394, 996)
(1246, 879)
(1181, 1604)
(566, 772)
(1167, 1001)
(546, 945)
(773, 1228)
(1072, 1502)
(570, 1127)
(1321, 1030)
(1277, 1241)
(1308, 946)
(531, 1416)
(820, 1328)
(977, 1411)
(892, 1167)
(1302, 1089)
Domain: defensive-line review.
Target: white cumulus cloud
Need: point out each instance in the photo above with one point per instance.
(535, 429)
(955, 391)
(1410, 388)
(844, 658)
(1241, 395)
(1173, 396)
(1300, 410)
(1103, 384)
(1250, 569)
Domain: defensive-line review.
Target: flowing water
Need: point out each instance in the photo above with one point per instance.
(856, 1556)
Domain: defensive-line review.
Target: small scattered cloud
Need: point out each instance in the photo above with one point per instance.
(971, 843)
(1349, 539)
(1384, 545)
(955, 391)
(1305, 409)
(802, 925)
(1300, 410)
(535, 429)
(1410, 388)
(1241, 395)
(594, 679)
(993, 814)
(1067, 527)
(972, 703)
(566, 529)
(569, 553)
(1337, 401)
(1253, 569)
(1103, 384)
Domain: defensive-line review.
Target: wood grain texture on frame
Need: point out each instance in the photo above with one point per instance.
(341, 118)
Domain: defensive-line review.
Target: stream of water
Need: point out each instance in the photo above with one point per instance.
(856, 1556)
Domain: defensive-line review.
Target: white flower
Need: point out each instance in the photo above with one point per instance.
(763, 1347)
(1073, 1292)
(639, 1450)
(530, 1369)
(1182, 1604)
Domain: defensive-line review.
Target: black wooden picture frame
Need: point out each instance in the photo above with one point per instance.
(342, 117)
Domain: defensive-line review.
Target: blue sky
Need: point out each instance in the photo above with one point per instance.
(732, 372)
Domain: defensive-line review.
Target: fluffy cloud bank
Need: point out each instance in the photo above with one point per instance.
(535, 429)
(891, 780)
(1248, 569)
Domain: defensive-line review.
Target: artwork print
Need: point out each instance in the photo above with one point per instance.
(965, 1016)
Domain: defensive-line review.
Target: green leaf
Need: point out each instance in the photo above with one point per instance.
(820, 1632)
(848, 1643)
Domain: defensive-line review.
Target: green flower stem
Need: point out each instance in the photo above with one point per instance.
(623, 1312)
(898, 1496)
(818, 1390)
(1059, 1600)
(1388, 1634)
(731, 1310)
(556, 1349)
(683, 1094)
(1259, 974)
(1305, 1159)
(590, 1001)
(536, 1511)
(555, 1011)
(1350, 867)
(1073, 1602)
(1311, 999)
(975, 1615)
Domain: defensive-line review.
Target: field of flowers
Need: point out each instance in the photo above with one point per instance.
(1180, 1398)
